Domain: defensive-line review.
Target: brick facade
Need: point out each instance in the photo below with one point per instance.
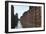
(31, 18)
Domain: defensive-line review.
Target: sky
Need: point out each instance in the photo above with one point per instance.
(20, 10)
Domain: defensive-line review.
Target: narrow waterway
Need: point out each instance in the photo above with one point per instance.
(19, 25)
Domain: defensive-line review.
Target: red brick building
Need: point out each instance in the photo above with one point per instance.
(31, 18)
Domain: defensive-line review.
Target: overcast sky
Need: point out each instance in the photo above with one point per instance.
(20, 10)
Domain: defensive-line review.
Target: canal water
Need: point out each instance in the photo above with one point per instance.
(19, 25)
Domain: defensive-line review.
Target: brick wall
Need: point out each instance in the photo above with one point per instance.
(31, 18)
